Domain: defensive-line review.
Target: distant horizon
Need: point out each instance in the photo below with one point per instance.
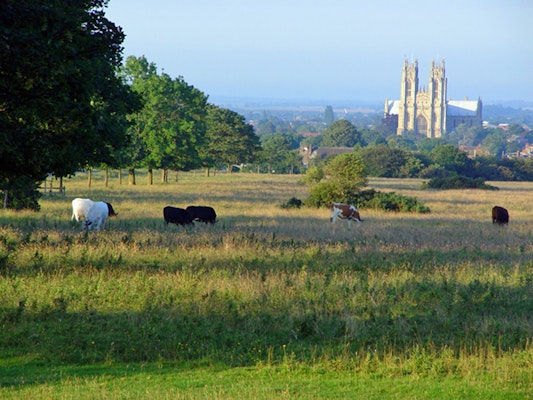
(258, 102)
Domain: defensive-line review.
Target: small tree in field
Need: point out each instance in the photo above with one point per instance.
(344, 177)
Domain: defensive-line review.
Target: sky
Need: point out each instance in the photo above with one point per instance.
(338, 50)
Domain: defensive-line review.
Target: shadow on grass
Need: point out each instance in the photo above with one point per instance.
(221, 328)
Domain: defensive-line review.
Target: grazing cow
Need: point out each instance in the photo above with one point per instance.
(500, 215)
(80, 208)
(202, 214)
(344, 211)
(177, 216)
(97, 215)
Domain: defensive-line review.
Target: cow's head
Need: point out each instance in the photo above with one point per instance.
(111, 211)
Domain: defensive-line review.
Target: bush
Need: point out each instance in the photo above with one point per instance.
(389, 202)
(457, 182)
(292, 203)
(321, 196)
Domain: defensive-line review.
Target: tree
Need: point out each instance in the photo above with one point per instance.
(495, 142)
(230, 140)
(345, 175)
(382, 161)
(62, 105)
(452, 159)
(340, 133)
(278, 153)
(170, 129)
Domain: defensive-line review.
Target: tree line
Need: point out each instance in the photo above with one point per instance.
(68, 102)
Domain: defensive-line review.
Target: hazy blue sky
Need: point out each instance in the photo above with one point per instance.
(333, 50)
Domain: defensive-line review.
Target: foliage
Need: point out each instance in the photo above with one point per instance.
(389, 201)
(340, 133)
(278, 154)
(230, 140)
(452, 159)
(22, 194)
(293, 202)
(62, 104)
(169, 130)
(344, 175)
(313, 175)
(457, 182)
(383, 161)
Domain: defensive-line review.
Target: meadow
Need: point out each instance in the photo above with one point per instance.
(269, 302)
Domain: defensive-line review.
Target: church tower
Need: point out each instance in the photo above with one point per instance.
(408, 92)
(437, 94)
(426, 111)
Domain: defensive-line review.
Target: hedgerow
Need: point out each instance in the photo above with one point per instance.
(457, 182)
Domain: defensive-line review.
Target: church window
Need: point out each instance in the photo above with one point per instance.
(421, 125)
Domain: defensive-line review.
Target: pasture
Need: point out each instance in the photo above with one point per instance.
(268, 302)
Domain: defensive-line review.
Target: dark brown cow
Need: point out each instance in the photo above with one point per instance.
(175, 215)
(344, 211)
(202, 214)
(500, 215)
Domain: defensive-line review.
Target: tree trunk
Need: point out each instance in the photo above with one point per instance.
(106, 180)
(150, 176)
(89, 178)
(61, 187)
(131, 176)
(177, 175)
(6, 198)
(207, 172)
(164, 176)
(120, 176)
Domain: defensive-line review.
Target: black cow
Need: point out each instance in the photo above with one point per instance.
(177, 216)
(500, 215)
(202, 214)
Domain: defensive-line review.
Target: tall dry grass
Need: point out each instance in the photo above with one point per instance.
(267, 283)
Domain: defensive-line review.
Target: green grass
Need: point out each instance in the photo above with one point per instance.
(269, 302)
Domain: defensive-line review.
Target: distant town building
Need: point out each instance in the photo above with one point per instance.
(426, 111)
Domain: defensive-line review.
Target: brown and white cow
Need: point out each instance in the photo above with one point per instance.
(344, 211)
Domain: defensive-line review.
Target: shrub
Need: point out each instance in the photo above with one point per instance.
(293, 202)
(389, 202)
(323, 194)
(457, 182)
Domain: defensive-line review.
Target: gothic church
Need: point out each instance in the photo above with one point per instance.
(426, 111)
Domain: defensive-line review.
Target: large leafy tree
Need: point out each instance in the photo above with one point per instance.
(452, 159)
(230, 140)
(62, 105)
(278, 154)
(383, 161)
(170, 129)
(340, 133)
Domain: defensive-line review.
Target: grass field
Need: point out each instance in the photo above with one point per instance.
(269, 302)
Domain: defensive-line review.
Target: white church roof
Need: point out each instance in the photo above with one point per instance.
(394, 107)
(461, 108)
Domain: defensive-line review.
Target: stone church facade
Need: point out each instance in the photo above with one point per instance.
(426, 110)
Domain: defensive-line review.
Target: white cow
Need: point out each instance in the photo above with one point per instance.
(97, 215)
(80, 208)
